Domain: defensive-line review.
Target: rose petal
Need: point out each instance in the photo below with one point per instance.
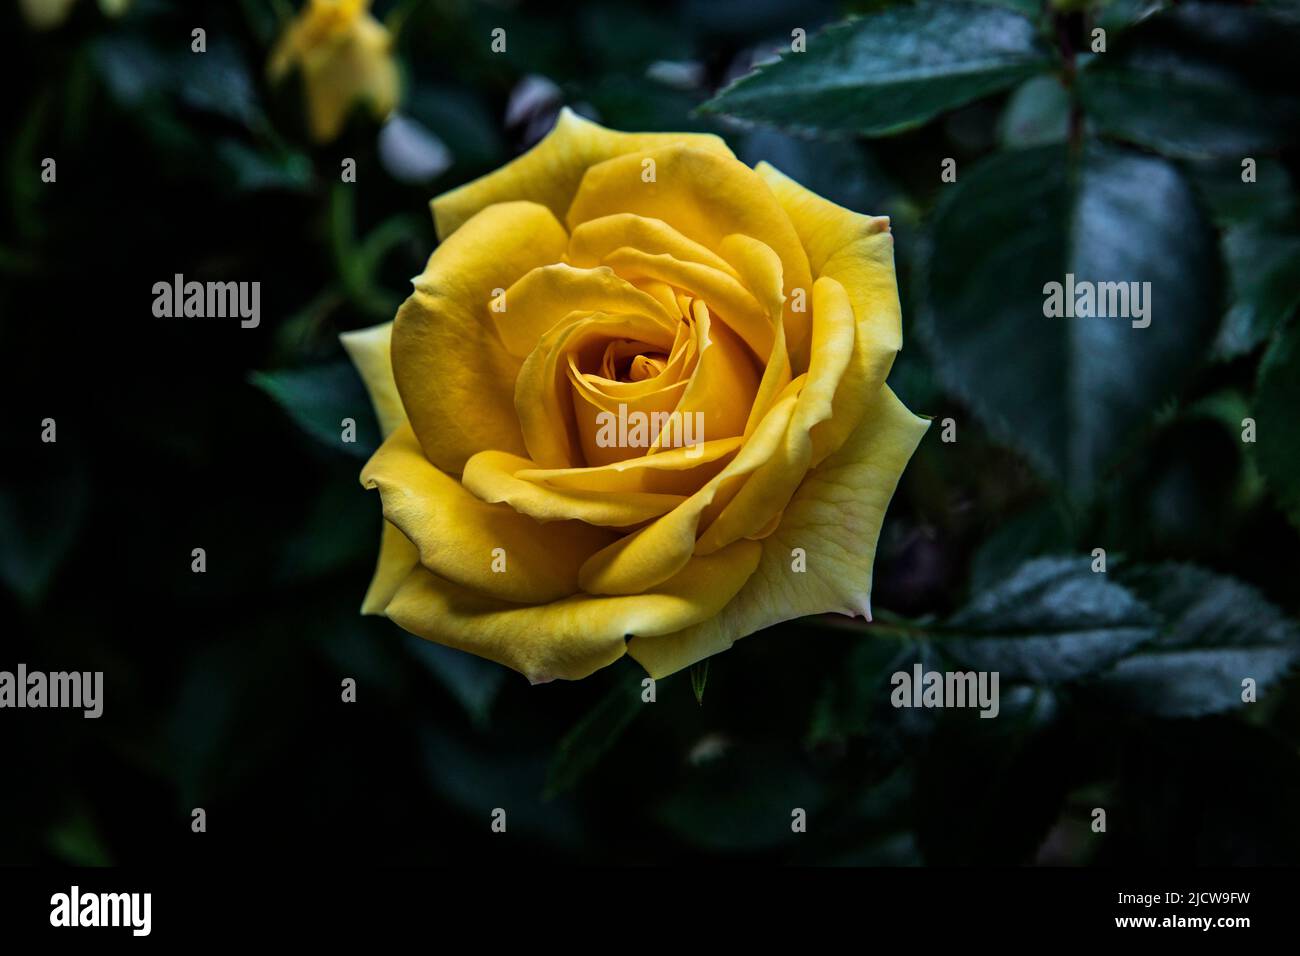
(769, 488)
(542, 399)
(571, 638)
(456, 533)
(662, 548)
(494, 477)
(858, 252)
(730, 301)
(455, 377)
(704, 196)
(835, 517)
(371, 352)
(550, 172)
(592, 241)
(543, 296)
(397, 556)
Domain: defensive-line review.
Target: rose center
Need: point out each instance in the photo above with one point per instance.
(627, 361)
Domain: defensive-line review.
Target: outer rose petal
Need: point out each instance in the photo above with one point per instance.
(568, 639)
(835, 517)
(858, 252)
(371, 353)
(768, 489)
(549, 173)
(455, 376)
(397, 558)
(456, 532)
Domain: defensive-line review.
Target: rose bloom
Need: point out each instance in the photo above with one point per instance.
(345, 56)
(653, 273)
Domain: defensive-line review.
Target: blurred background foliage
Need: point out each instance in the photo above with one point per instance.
(1119, 690)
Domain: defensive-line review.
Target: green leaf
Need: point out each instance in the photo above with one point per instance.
(699, 678)
(1218, 631)
(1029, 8)
(890, 71)
(1200, 79)
(1066, 391)
(1277, 397)
(1036, 531)
(1232, 201)
(319, 398)
(476, 778)
(1264, 272)
(253, 170)
(1037, 113)
(842, 171)
(584, 745)
(1053, 620)
(473, 681)
(855, 703)
(1118, 15)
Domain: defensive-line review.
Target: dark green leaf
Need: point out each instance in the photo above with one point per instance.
(255, 170)
(479, 779)
(1201, 79)
(319, 398)
(891, 70)
(1119, 15)
(841, 171)
(1067, 391)
(473, 681)
(1277, 401)
(584, 745)
(1232, 201)
(1053, 620)
(1042, 529)
(1264, 272)
(1218, 631)
(855, 708)
(1037, 113)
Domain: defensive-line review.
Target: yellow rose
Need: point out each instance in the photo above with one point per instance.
(646, 273)
(345, 56)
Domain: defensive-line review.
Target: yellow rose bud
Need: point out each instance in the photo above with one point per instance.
(596, 282)
(48, 14)
(345, 56)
